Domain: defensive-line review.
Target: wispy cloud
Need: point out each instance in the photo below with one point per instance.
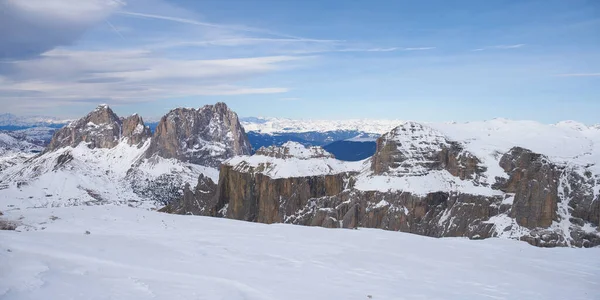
(130, 76)
(239, 41)
(213, 25)
(418, 48)
(579, 75)
(290, 99)
(383, 49)
(500, 47)
(336, 48)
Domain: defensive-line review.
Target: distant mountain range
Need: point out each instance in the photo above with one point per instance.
(360, 135)
(512, 179)
(281, 125)
(13, 122)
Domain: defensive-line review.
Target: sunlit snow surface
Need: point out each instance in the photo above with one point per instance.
(136, 254)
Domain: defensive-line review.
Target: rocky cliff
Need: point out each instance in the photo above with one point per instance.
(134, 129)
(101, 128)
(102, 158)
(419, 181)
(204, 136)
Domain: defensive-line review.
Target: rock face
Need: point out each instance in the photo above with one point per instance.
(534, 181)
(204, 136)
(414, 149)
(418, 181)
(135, 130)
(141, 169)
(259, 198)
(199, 201)
(100, 129)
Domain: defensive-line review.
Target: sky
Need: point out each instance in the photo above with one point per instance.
(429, 60)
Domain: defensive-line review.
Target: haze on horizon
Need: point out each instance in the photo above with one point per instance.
(429, 60)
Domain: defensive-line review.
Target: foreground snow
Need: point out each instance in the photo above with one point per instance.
(137, 254)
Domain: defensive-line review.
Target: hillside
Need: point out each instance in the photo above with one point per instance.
(136, 254)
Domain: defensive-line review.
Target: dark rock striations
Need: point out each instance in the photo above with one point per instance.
(101, 128)
(204, 136)
(135, 131)
(418, 181)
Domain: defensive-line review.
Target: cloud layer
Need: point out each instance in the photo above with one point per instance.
(31, 27)
(66, 76)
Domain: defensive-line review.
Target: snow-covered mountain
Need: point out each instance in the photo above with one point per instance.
(280, 125)
(500, 178)
(39, 136)
(102, 158)
(514, 179)
(14, 150)
(264, 132)
(30, 121)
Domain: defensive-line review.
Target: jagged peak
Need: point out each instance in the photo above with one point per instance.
(101, 115)
(294, 150)
(219, 107)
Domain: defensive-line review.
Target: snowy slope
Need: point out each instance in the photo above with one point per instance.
(39, 136)
(293, 160)
(135, 254)
(76, 176)
(566, 142)
(8, 143)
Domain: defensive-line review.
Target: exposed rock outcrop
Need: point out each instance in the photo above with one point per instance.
(414, 149)
(135, 130)
(256, 197)
(142, 169)
(538, 201)
(199, 202)
(99, 129)
(534, 181)
(204, 136)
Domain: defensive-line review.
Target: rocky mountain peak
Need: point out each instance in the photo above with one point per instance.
(294, 150)
(101, 128)
(135, 130)
(204, 136)
(415, 149)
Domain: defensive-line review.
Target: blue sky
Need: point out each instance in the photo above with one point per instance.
(431, 60)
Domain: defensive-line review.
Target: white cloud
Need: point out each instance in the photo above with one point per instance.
(38, 68)
(79, 11)
(31, 27)
(67, 76)
(500, 47)
(418, 48)
(509, 46)
(214, 25)
(238, 41)
(579, 75)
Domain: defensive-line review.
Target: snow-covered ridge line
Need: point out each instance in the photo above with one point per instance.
(14, 120)
(267, 125)
(280, 125)
(293, 160)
